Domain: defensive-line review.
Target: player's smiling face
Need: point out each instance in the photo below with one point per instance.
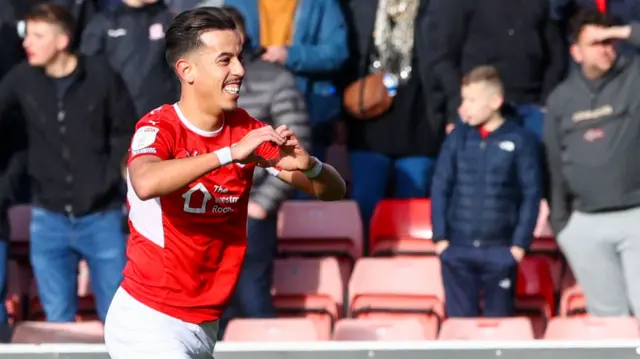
(219, 69)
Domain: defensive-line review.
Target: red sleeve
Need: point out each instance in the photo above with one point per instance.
(154, 136)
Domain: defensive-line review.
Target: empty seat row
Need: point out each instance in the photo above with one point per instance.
(300, 329)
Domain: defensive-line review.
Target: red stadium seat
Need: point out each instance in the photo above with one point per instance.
(486, 329)
(572, 302)
(20, 221)
(272, 330)
(397, 288)
(401, 227)
(17, 291)
(381, 330)
(44, 333)
(310, 287)
(316, 228)
(592, 328)
(535, 292)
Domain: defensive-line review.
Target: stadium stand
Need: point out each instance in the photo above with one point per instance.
(314, 228)
(272, 330)
(309, 287)
(401, 227)
(350, 329)
(43, 332)
(398, 288)
(572, 302)
(486, 329)
(590, 328)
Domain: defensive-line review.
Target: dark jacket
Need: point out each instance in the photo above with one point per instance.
(132, 39)
(592, 139)
(518, 37)
(487, 192)
(76, 141)
(415, 124)
(270, 95)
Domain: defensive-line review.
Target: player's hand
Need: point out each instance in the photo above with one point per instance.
(293, 157)
(256, 211)
(517, 253)
(441, 246)
(243, 151)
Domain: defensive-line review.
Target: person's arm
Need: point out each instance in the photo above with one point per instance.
(530, 182)
(93, 36)
(13, 179)
(153, 172)
(326, 185)
(556, 56)
(442, 186)
(288, 109)
(332, 49)
(560, 201)
(448, 24)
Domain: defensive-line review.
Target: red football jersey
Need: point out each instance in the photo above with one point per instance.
(186, 248)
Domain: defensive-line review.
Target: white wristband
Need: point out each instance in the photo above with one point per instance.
(224, 155)
(315, 170)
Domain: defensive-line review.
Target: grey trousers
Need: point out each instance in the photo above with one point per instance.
(603, 250)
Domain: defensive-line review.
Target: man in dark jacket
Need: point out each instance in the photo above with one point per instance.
(131, 37)
(485, 199)
(591, 138)
(79, 120)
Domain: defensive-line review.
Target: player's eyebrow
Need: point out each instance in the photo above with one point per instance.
(226, 54)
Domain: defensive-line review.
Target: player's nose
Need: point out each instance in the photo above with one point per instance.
(237, 70)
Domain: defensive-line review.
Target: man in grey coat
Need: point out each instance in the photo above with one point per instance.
(269, 94)
(592, 138)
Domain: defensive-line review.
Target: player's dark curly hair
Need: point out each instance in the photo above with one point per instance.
(183, 35)
(585, 17)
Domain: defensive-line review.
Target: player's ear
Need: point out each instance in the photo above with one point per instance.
(185, 71)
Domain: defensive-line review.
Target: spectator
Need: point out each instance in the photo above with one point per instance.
(485, 198)
(591, 137)
(622, 12)
(309, 38)
(517, 37)
(131, 36)
(79, 121)
(399, 145)
(269, 94)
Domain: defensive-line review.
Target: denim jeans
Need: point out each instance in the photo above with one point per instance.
(371, 173)
(252, 296)
(58, 242)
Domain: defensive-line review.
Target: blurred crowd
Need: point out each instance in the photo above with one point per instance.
(488, 107)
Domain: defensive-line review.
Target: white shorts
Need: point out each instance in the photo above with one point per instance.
(133, 330)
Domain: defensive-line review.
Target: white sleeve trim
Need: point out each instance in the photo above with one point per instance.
(273, 171)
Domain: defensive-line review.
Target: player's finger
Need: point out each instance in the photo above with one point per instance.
(281, 128)
(286, 133)
(277, 139)
(291, 142)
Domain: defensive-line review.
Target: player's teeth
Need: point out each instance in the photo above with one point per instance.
(232, 89)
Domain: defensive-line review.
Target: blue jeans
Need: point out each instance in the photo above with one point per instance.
(371, 173)
(58, 242)
(252, 296)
